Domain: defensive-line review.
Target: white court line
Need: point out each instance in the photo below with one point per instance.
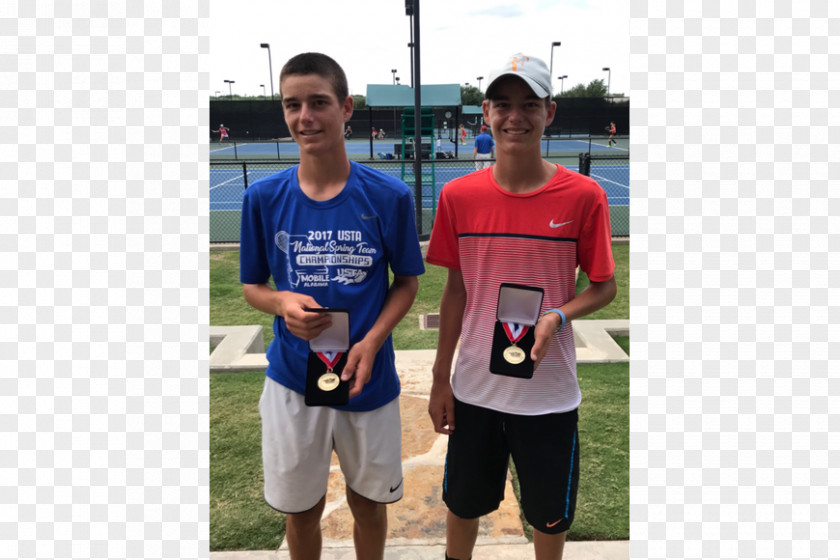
(226, 182)
(610, 148)
(604, 179)
(584, 142)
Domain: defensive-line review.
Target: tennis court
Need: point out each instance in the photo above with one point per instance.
(227, 185)
(360, 148)
(229, 179)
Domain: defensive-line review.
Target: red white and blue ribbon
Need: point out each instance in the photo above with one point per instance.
(515, 331)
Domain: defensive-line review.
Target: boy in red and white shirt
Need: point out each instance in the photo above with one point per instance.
(523, 221)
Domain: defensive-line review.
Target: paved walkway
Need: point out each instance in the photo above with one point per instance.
(602, 550)
(416, 524)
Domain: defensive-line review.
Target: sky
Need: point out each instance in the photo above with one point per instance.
(459, 40)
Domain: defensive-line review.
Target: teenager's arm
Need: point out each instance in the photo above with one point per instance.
(595, 296)
(360, 359)
(452, 304)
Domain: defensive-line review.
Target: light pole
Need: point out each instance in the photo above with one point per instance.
(394, 82)
(270, 73)
(230, 87)
(263, 86)
(411, 54)
(479, 82)
(397, 80)
(562, 81)
(609, 75)
(551, 68)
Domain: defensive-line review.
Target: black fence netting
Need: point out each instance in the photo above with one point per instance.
(263, 119)
(612, 172)
(229, 179)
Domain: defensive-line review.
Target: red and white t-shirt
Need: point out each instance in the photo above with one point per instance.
(537, 239)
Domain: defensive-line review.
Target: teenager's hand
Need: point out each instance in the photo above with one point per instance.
(359, 366)
(442, 407)
(304, 324)
(543, 332)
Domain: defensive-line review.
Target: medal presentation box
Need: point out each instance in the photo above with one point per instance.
(327, 357)
(513, 335)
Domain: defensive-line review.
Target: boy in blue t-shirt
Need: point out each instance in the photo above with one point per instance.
(327, 231)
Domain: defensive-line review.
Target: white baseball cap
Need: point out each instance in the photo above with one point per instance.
(532, 70)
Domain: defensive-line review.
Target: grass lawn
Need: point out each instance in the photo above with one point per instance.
(228, 307)
(240, 518)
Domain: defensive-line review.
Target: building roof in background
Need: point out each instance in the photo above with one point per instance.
(431, 95)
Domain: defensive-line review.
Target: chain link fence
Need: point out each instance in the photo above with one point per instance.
(613, 174)
(229, 179)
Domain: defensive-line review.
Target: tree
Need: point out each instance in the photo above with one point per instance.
(596, 88)
(359, 102)
(471, 95)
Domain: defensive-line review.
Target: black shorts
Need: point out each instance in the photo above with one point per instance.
(545, 450)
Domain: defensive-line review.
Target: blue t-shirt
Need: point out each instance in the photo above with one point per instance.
(484, 143)
(338, 251)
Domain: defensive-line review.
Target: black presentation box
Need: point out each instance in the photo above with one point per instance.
(323, 382)
(518, 310)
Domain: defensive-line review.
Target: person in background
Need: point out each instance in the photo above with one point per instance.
(526, 221)
(484, 149)
(223, 132)
(612, 135)
(463, 133)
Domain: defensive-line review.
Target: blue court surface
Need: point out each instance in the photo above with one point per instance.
(287, 148)
(227, 184)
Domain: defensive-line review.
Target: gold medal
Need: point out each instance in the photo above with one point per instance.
(328, 382)
(514, 354)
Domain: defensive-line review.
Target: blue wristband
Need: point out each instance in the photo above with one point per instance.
(562, 317)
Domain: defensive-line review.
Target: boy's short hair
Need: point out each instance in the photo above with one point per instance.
(320, 64)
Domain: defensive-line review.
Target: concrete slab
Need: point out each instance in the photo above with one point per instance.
(594, 341)
(239, 348)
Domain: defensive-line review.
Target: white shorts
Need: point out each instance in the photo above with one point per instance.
(297, 445)
(483, 164)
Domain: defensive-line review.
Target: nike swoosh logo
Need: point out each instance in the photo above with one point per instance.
(394, 489)
(551, 224)
(367, 217)
(550, 525)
